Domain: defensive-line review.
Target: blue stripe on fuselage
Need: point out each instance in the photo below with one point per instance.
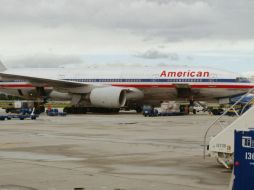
(152, 80)
(159, 80)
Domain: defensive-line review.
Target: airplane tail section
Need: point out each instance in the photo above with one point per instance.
(2, 67)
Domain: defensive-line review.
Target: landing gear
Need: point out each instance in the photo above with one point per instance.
(139, 109)
(75, 110)
(104, 110)
(39, 107)
(191, 107)
(84, 110)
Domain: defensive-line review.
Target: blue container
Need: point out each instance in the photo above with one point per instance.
(244, 160)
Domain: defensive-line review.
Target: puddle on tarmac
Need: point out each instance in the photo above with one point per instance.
(35, 156)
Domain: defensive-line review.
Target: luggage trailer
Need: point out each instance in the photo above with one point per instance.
(20, 116)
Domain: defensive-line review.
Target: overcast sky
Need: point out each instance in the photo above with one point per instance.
(74, 33)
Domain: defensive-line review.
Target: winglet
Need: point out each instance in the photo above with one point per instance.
(2, 67)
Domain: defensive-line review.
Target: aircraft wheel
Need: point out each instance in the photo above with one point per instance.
(139, 110)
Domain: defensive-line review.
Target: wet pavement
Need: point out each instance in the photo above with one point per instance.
(112, 152)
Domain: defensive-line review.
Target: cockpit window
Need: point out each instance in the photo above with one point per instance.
(242, 79)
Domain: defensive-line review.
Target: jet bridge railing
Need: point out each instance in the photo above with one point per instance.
(224, 113)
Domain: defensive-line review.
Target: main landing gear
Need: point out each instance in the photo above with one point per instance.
(84, 110)
(191, 107)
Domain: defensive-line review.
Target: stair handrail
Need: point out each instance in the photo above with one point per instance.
(224, 113)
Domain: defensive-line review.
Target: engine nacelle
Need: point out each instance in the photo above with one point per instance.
(108, 97)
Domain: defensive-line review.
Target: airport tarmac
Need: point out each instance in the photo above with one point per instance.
(108, 152)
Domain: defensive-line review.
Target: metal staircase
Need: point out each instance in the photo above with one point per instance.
(221, 146)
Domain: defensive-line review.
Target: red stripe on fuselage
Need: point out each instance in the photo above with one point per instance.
(223, 86)
(192, 86)
(16, 86)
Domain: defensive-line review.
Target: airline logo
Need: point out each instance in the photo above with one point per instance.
(247, 142)
(190, 74)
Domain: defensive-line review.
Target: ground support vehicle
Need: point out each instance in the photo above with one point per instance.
(18, 116)
(154, 112)
(150, 111)
(55, 112)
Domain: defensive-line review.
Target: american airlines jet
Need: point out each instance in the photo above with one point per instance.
(131, 87)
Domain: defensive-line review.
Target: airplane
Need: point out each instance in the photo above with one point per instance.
(123, 87)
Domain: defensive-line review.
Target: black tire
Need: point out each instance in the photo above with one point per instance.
(65, 109)
(116, 110)
(83, 110)
(42, 109)
(33, 117)
(215, 112)
(139, 110)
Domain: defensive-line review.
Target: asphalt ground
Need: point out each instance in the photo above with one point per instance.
(123, 151)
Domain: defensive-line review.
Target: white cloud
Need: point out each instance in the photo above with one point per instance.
(156, 54)
(44, 61)
(77, 27)
(171, 19)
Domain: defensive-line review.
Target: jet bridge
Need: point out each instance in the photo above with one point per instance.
(221, 146)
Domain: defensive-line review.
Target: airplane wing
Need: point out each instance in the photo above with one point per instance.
(59, 85)
(43, 82)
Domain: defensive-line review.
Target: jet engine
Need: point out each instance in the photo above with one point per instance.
(108, 97)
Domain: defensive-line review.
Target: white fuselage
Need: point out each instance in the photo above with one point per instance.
(156, 83)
